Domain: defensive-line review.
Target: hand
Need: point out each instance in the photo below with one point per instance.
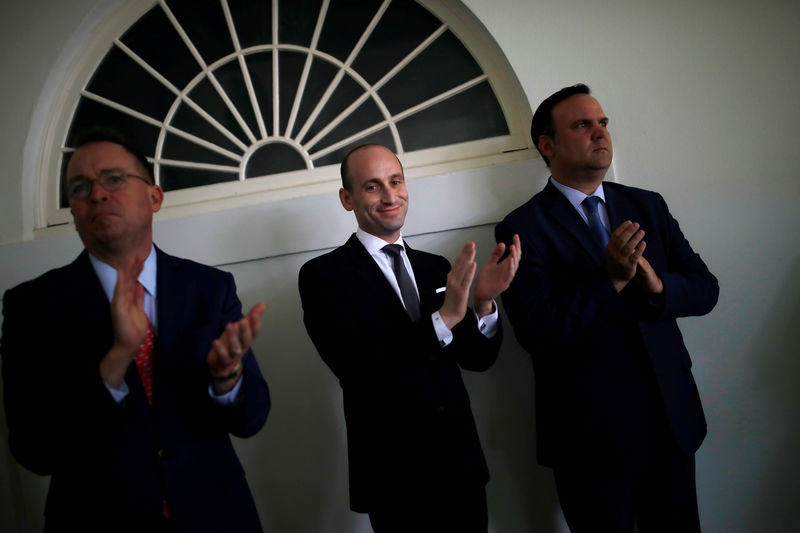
(129, 322)
(225, 356)
(459, 280)
(647, 277)
(493, 277)
(625, 247)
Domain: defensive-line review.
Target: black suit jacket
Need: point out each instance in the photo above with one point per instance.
(608, 365)
(409, 423)
(113, 465)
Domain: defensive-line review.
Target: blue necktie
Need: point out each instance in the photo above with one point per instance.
(595, 223)
(407, 289)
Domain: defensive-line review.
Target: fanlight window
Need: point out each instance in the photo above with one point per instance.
(267, 91)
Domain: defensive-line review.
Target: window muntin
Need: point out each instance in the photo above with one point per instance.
(286, 87)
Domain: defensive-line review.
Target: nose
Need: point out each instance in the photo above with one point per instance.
(97, 192)
(387, 195)
(599, 132)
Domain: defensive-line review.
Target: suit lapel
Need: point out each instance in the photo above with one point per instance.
(93, 308)
(427, 280)
(619, 209)
(559, 208)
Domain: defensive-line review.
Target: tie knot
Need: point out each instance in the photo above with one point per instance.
(392, 250)
(591, 202)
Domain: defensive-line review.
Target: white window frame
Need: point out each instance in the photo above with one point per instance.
(50, 219)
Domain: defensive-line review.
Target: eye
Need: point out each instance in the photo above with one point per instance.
(78, 187)
(114, 179)
(370, 188)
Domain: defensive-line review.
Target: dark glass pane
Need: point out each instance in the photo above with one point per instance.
(290, 68)
(319, 78)
(90, 113)
(176, 178)
(274, 158)
(260, 68)
(231, 79)
(253, 21)
(366, 115)
(297, 20)
(189, 121)
(204, 23)
(401, 29)
(344, 25)
(150, 36)
(123, 81)
(440, 67)
(345, 94)
(468, 116)
(382, 137)
(180, 149)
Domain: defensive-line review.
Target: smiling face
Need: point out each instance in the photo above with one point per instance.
(113, 224)
(377, 193)
(581, 152)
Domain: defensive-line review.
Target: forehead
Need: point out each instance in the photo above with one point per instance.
(374, 162)
(96, 157)
(577, 106)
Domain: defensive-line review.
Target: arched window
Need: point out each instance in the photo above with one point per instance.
(232, 98)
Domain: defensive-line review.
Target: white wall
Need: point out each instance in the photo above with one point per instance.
(704, 105)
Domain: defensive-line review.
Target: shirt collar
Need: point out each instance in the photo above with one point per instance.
(575, 196)
(374, 244)
(108, 274)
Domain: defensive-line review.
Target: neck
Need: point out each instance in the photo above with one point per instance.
(587, 181)
(118, 257)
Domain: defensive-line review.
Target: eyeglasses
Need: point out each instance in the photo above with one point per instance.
(79, 188)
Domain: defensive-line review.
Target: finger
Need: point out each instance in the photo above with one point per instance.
(496, 254)
(516, 249)
(634, 242)
(254, 317)
(465, 257)
(639, 251)
(232, 338)
(219, 353)
(464, 264)
(623, 233)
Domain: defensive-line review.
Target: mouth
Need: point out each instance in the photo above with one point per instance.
(389, 210)
(103, 214)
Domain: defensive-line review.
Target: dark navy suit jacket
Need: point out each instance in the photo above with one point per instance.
(607, 365)
(410, 428)
(113, 465)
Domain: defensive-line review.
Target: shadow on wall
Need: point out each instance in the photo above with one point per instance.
(777, 372)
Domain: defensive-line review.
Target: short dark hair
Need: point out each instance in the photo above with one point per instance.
(95, 134)
(344, 169)
(542, 123)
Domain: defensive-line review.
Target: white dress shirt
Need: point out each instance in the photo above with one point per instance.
(576, 198)
(374, 245)
(147, 277)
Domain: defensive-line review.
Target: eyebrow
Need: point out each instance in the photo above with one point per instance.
(102, 171)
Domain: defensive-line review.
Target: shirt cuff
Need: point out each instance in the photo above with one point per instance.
(120, 393)
(229, 397)
(488, 324)
(444, 334)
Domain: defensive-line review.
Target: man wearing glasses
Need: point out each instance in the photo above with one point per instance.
(126, 371)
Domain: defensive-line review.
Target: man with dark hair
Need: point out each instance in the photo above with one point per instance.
(393, 325)
(605, 272)
(127, 393)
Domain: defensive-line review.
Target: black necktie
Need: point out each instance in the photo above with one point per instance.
(407, 289)
(595, 224)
